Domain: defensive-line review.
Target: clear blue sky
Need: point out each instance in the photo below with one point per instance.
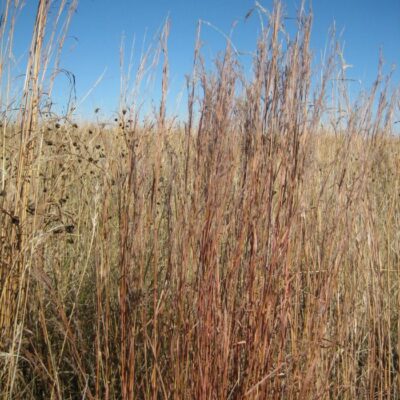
(95, 36)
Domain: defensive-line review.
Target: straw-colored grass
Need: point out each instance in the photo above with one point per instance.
(250, 253)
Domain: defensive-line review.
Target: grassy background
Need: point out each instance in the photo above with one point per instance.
(251, 251)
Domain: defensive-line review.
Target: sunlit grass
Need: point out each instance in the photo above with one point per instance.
(251, 251)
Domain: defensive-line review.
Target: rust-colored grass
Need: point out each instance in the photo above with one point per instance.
(251, 252)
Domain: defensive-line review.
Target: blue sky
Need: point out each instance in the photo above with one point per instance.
(94, 39)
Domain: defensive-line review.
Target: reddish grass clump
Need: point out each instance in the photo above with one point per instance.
(251, 252)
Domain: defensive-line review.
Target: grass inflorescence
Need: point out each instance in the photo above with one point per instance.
(250, 251)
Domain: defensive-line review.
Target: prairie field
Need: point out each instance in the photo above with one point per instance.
(249, 249)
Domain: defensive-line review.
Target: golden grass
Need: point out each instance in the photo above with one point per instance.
(251, 254)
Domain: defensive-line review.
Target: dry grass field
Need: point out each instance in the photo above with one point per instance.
(251, 251)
